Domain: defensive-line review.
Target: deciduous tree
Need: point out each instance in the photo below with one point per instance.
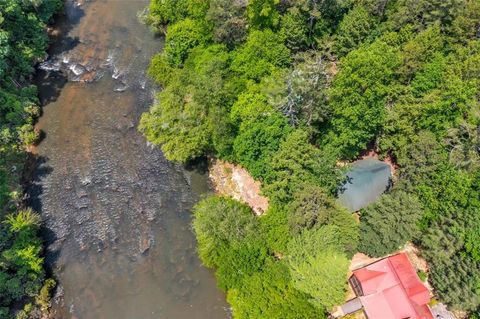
(353, 30)
(359, 95)
(318, 266)
(219, 223)
(229, 20)
(261, 55)
(257, 141)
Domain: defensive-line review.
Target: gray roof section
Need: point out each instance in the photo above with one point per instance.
(351, 306)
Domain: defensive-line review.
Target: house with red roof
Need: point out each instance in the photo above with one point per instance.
(389, 289)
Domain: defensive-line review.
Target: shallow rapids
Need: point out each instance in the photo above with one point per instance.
(116, 213)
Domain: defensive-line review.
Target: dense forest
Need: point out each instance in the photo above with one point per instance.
(23, 41)
(287, 89)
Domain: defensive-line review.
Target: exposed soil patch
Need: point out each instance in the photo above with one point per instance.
(233, 180)
(360, 260)
(333, 69)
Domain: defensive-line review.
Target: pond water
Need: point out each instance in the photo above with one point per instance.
(116, 213)
(366, 181)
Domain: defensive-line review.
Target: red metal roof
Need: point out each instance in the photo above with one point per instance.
(392, 290)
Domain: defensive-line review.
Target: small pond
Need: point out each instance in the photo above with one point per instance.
(366, 181)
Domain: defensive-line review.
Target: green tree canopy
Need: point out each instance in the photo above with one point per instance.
(21, 267)
(389, 223)
(270, 295)
(261, 55)
(263, 13)
(164, 12)
(318, 266)
(302, 94)
(312, 207)
(257, 141)
(353, 30)
(251, 105)
(297, 162)
(241, 260)
(359, 95)
(220, 222)
(294, 30)
(183, 36)
(229, 20)
(187, 120)
(422, 13)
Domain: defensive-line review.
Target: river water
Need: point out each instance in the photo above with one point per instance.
(116, 213)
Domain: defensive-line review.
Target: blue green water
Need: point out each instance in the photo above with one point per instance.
(366, 181)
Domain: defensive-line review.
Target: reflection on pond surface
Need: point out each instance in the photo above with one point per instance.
(116, 213)
(366, 181)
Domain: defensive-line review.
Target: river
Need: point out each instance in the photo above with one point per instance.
(116, 214)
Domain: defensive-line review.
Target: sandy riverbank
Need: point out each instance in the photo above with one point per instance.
(233, 180)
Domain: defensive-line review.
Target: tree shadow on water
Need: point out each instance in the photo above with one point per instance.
(36, 169)
(343, 185)
(51, 255)
(51, 82)
(50, 85)
(65, 21)
(198, 165)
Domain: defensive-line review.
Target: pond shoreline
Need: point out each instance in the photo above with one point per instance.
(386, 159)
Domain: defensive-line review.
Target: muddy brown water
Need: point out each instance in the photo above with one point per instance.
(116, 213)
